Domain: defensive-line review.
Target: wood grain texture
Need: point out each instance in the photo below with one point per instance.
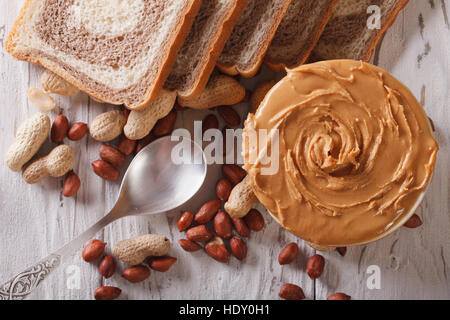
(36, 220)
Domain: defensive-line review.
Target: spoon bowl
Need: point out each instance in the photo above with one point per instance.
(155, 183)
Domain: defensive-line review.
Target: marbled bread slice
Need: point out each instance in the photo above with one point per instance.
(347, 35)
(197, 58)
(117, 51)
(245, 49)
(298, 33)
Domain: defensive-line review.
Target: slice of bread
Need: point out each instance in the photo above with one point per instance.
(298, 33)
(197, 58)
(251, 37)
(347, 35)
(117, 51)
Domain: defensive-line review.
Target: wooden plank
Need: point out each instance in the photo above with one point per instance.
(37, 220)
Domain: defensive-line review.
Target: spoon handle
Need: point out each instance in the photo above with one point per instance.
(20, 286)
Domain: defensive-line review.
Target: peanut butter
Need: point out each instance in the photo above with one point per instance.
(356, 152)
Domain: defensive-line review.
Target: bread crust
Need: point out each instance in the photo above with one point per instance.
(278, 65)
(376, 40)
(380, 34)
(236, 69)
(151, 93)
(220, 40)
(176, 46)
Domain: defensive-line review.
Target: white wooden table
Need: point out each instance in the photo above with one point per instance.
(36, 220)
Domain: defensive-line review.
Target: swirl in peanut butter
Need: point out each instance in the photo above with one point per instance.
(355, 152)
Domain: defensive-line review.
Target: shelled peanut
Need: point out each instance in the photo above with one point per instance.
(131, 252)
(30, 136)
(259, 94)
(107, 126)
(141, 122)
(53, 83)
(56, 164)
(134, 251)
(241, 199)
(220, 90)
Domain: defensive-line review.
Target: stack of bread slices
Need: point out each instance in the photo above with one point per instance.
(129, 51)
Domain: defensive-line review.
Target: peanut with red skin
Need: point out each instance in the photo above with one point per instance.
(207, 211)
(230, 116)
(59, 128)
(217, 250)
(210, 122)
(247, 96)
(223, 225)
(142, 143)
(241, 227)
(185, 221)
(77, 131)
(93, 250)
(105, 171)
(112, 155)
(189, 246)
(223, 189)
(238, 248)
(71, 184)
(107, 293)
(339, 296)
(315, 266)
(107, 266)
(136, 274)
(233, 172)
(126, 146)
(342, 250)
(161, 264)
(199, 234)
(254, 220)
(165, 125)
(288, 254)
(291, 291)
(413, 222)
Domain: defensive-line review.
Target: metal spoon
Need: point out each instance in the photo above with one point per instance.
(152, 184)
